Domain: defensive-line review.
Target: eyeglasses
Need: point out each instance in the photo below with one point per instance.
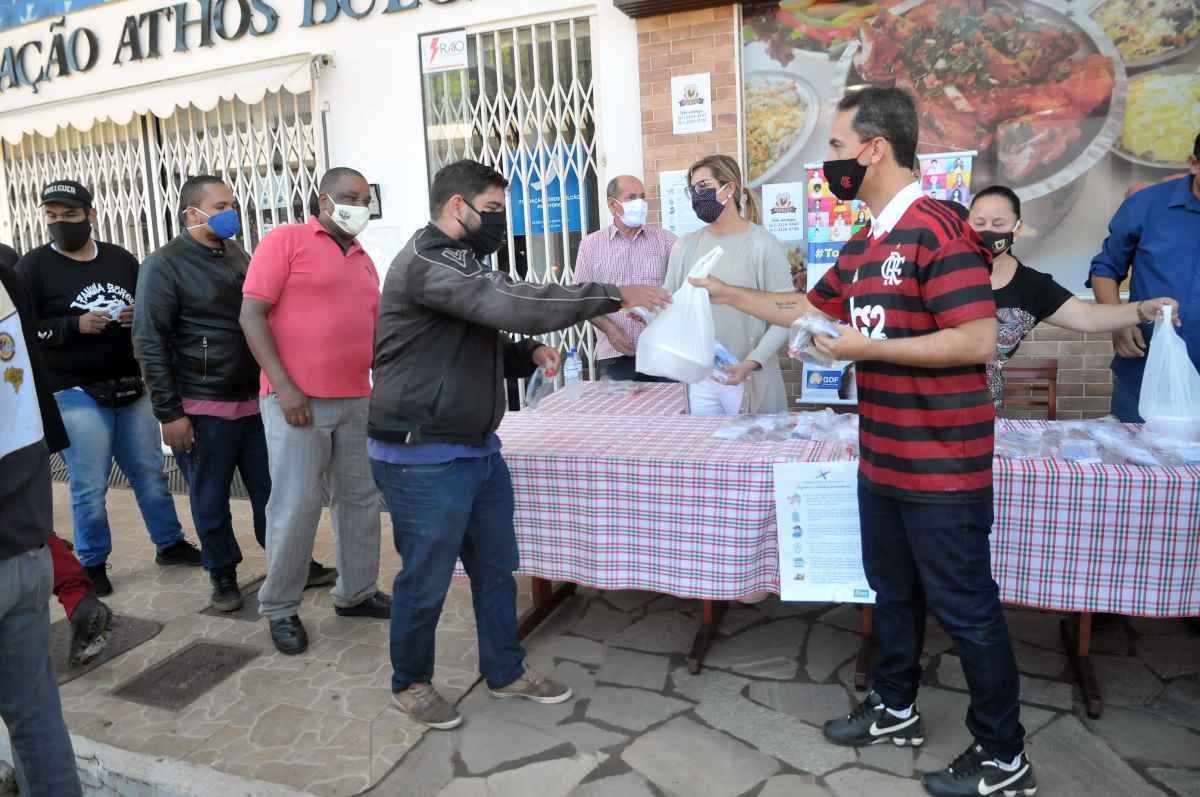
(700, 187)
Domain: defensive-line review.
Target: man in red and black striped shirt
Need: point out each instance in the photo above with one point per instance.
(914, 290)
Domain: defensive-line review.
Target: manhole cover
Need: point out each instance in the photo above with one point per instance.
(125, 634)
(183, 677)
(249, 610)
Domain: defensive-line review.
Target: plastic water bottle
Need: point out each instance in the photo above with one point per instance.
(573, 375)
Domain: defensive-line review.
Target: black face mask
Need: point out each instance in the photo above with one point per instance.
(845, 176)
(70, 236)
(491, 233)
(997, 242)
(706, 205)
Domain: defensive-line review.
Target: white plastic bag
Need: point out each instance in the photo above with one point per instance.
(678, 344)
(1170, 400)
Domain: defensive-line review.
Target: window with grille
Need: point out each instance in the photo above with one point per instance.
(525, 105)
(265, 151)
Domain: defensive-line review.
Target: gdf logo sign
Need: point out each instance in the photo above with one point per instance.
(443, 52)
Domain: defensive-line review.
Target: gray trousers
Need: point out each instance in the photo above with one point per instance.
(29, 702)
(326, 459)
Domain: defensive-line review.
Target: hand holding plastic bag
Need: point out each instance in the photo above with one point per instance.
(678, 343)
(1170, 399)
(800, 342)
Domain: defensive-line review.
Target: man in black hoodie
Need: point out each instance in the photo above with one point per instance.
(438, 398)
(31, 429)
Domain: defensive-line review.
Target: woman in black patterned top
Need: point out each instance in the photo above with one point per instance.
(1025, 297)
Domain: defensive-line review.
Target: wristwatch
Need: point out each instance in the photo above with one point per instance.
(1142, 317)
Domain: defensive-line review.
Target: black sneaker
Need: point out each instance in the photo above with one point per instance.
(98, 575)
(975, 774)
(181, 553)
(226, 596)
(378, 606)
(89, 630)
(319, 575)
(871, 723)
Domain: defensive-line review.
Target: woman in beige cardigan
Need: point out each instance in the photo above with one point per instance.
(752, 258)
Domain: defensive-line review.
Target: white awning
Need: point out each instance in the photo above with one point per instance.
(247, 82)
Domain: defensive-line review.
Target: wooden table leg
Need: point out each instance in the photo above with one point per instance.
(862, 665)
(1079, 649)
(545, 600)
(714, 611)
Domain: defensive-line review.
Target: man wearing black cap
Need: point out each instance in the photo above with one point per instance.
(83, 294)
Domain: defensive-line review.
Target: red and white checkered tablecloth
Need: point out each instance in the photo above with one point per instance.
(1121, 539)
(602, 398)
(656, 503)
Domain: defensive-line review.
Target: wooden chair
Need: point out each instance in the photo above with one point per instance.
(1031, 387)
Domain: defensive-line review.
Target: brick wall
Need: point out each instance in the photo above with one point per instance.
(1084, 380)
(688, 43)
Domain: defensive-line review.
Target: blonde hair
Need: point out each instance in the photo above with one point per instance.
(725, 170)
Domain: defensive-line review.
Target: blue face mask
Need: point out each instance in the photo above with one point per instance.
(224, 225)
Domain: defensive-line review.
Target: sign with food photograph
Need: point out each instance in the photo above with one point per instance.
(1069, 103)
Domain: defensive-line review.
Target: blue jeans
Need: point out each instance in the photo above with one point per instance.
(1125, 398)
(919, 555)
(221, 448)
(131, 435)
(29, 702)
(461, 509)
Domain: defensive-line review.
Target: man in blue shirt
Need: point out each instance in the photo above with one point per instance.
(1157, 232)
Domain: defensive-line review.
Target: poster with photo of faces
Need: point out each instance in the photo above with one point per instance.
(948, 176)
(828, 218)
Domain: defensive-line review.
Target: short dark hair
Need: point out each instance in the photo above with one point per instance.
(331, 177)
(1004, 191)
(466, 178)
(1196, 146)
(614, 187)
(887, 113)
(192, 189)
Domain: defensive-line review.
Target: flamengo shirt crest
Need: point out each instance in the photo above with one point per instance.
(22, 417)
(925, 434)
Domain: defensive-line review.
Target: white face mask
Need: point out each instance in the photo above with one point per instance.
(633, 212)
(351, 219)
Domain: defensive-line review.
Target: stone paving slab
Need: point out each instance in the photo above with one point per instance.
(683, 757)
(1080, 763)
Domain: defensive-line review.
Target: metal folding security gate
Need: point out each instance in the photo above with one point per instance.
(526, 106)
(110, 159)
(265, 151)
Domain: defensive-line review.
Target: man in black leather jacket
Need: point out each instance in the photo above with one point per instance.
(440, 364)
(202, 378)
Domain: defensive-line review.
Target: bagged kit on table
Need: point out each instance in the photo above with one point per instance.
(679, 343)
(1170, 398)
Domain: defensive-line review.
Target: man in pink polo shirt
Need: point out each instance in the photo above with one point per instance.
(311, 300)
